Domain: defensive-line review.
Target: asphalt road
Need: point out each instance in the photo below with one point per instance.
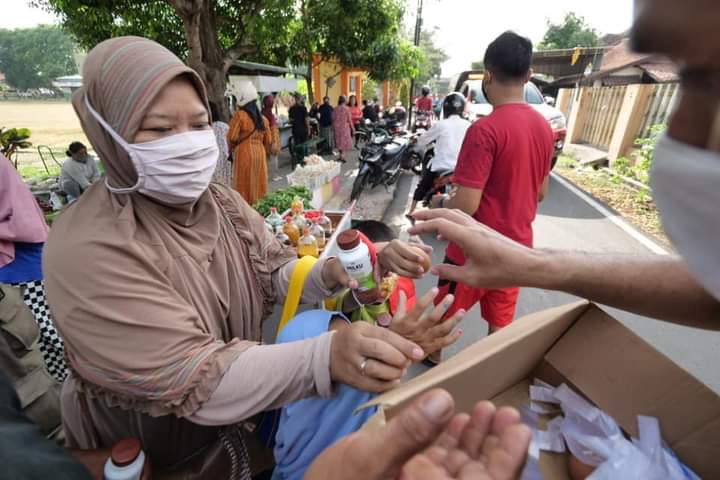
(567, 222)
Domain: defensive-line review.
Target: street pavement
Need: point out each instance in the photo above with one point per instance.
(564, 221)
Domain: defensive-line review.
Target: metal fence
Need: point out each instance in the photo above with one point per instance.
(603, 109)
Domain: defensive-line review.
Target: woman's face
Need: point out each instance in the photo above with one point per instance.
(80, 154)
(176, 109)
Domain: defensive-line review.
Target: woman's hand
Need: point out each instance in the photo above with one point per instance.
(428, 329)
(334, 276)
(371, 358)
(402, 258)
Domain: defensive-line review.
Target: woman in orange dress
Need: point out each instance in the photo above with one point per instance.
(267, 111)
(250, 137)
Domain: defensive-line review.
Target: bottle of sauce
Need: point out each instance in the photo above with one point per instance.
(127, 462)
(274, 219)
(297, 206)
(325, 223)
(292, 231)
(282, 237)
(318, 232)
(355, 258)
(307, 245)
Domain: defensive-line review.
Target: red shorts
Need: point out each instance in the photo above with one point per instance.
(497, 306)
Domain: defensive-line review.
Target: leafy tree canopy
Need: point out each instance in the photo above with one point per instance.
(572, 32)
(33, 57)
(477, 65)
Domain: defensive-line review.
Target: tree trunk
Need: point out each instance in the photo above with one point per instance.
(204, 53)
(309, 81)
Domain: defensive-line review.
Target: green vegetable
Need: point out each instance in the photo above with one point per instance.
(282, 199)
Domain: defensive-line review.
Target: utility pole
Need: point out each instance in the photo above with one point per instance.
(418, 29)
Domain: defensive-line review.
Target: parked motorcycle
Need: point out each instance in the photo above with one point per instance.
(381, 162)
(418, 157)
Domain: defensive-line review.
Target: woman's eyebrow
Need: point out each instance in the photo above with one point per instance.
(162, 116)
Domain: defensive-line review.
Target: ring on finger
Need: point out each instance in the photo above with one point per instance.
(363, 365)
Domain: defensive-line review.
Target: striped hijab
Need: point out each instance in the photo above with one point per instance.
(150, 298)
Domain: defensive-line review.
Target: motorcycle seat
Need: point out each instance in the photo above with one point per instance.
(393, 149)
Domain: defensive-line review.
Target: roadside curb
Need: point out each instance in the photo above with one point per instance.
(615, 218)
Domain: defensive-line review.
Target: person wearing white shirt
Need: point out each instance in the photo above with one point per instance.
(448, 135)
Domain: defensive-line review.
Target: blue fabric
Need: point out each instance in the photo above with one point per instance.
(326, 115)
(311, 425)
(27, 266)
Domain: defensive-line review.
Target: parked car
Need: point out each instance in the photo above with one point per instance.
(470, 85)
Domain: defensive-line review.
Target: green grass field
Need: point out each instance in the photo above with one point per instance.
(52, 123)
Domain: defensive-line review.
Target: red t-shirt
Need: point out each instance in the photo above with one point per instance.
(424, 104)
(507, 155)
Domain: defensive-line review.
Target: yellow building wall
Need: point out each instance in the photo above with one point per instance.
(348, 81)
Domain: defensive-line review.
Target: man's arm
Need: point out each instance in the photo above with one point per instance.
(652, 285)
(465, 199)
(544, 189)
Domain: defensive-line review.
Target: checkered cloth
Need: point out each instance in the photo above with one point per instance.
(51, 345)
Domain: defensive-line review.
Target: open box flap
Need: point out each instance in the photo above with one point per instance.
(625, 376)
(491, 360)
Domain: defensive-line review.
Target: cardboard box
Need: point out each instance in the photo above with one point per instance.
(597, 356)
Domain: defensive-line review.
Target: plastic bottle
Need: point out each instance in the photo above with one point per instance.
(325, 223)
(297, 206)
(355, 258)
(292, 232)
(318, 232)
(307, 245)
(282, 237)
(126, 462)
(300, 221)
(274, 219)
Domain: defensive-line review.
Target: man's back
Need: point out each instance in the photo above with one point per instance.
(448, 135)
(506, 155)
(424, 104)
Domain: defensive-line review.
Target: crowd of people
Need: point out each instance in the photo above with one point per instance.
(142, 308)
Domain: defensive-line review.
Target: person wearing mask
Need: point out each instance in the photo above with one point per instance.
(23, 233)
(224, 168)
(448, 135)
(369, 112)
(325, 119)
(250, 139)
(343, 129)
(78, 171)
(502, 172)
(298, 115)
(160, 283)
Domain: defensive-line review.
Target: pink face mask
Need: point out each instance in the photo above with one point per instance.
(175, 170)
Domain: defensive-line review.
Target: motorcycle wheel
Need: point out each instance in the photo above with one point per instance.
(359, 185)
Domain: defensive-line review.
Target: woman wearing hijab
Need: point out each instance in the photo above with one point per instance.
(223, 170)
(274, 147)
(343, 128)
(160, 282)
(23, 233)
(250, 138)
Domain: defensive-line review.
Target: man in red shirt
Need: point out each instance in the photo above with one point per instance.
(502, 171)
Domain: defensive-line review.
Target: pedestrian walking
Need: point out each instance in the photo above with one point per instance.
(298, 115)
(249, 137)
(325, 118)
(502, 171)
(224, 169)
(343, 128)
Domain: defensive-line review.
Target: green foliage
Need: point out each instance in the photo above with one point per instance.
(432, 58)
(363, 34)
(640, 171)
(572, 32)
(369, 88)
(281, 199)
(33, 57)
(477, 65)
(12, 140)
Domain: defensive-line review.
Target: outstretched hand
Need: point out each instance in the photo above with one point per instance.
(491, 260)
(427, 440)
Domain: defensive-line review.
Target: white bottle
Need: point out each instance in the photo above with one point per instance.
(355, 258)
(126, 461)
